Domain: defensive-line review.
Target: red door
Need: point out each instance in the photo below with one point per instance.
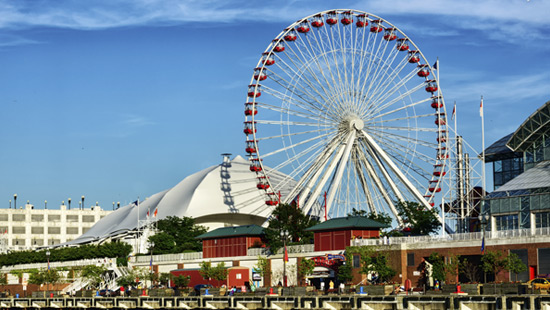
(532, 272)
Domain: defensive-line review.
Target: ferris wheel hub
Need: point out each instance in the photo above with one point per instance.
(357, 124)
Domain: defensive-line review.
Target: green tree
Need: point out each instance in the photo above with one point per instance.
(345, 271)
(3, 279)
(373, 262)
(469, 269)
(422, 221)
(515, 265)
(164, 278)
(438, 266)
(287, 217)
(263, 267)
(380, 217)
(183, 230)
(182, 281)
(452, 267)
(494, 262)
(93, 274)
(164, 243)
(219, 273)
(305, 268)
(209, 272)
(130, 279)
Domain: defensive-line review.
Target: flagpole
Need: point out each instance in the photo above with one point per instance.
(483, 149)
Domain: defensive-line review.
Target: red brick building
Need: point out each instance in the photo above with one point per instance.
(337, 233)
(230, 241)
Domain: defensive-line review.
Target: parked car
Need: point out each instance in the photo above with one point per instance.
(539, 283)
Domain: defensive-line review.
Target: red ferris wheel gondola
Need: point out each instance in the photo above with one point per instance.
(423, 70)
(267, 59)
(332, 18)
(317, 21)
(376, 26)
(362, 21)
(346, 18)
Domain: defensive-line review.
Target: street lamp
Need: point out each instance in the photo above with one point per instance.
(45, 205)
(10, 203)
(48, 258)
(151, 263)
(82, 203)
(483, 220)
(284, 236)
(15, 201)
(69, 201)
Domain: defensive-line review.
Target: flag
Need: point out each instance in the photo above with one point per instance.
(436, 64)
(481, 107)
(148, 212)
(483, 246)
(135, 203)
(151, 263)
(156, 211)
(454, 112)
(286, 255)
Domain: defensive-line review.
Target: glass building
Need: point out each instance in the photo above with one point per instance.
(521, 175)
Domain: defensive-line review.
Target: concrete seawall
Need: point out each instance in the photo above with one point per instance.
(399, 302)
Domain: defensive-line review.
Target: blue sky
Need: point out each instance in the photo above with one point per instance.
(119, 99)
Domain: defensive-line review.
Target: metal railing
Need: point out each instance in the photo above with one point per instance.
(300, 248)
(166, 258)
(74, 263)
(501, 234)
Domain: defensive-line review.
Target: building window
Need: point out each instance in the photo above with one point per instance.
(37, 217)
(54, 217)
(18, 217)
(85, 229)
(18, 230)
(356, 261)
(37, 230)
(542, 219)
(507, 222)
(3, 217)
(37, 242)
(88, 218)
(54, 230)
(72, 230)
(410, 259)
(72, 218)
(18, 242)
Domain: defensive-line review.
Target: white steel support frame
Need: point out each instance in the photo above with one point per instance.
(345, 104)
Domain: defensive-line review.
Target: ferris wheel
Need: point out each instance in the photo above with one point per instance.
(346, 107)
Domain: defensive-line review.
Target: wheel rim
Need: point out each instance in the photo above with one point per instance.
(347, 107)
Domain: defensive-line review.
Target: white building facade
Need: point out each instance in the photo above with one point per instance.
(29, 228)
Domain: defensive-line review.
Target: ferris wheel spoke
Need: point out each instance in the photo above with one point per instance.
(340, 170)
(315, 169)
(318, 131)
(393, 120)
(377, 182)
(396, 138)
(397, 109)
(390, 73)
(359, 171)
(295, 145)
(389, 89)
(408, 164)
(301, 102)
(319, 184)
(372, 110)
(297, 71)
(407, 129)
(395, 169)
(303, 113)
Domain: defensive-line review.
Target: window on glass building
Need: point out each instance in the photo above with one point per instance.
(507, 222)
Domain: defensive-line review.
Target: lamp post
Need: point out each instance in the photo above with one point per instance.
(82, 208)
(15, 201)
(45, 205)
(10, 203)
(483, 220)
(151, 263)
(69, 201)
(48, 258)
(284, 236)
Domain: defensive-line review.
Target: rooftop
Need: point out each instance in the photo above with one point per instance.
(348, 222)
(224, 232)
